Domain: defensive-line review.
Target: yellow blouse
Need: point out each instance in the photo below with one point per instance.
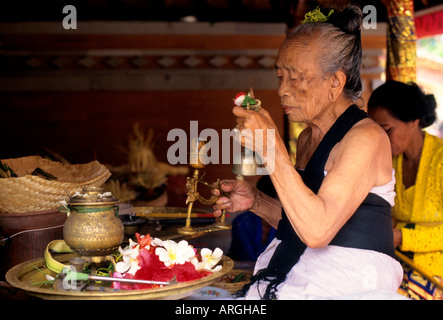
(422, 206)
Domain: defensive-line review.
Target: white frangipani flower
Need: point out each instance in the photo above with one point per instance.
(130, 262)
(209, 260)
(175, 253)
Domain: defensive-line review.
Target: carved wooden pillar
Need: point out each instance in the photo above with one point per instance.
(401, 41)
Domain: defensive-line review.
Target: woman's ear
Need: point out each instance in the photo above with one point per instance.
(416, 124)
(337, 82)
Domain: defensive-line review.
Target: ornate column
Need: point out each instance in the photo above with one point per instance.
(401, 41)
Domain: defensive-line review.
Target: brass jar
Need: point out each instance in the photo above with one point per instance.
(93, 227)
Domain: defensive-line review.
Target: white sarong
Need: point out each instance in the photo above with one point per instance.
(335, 272)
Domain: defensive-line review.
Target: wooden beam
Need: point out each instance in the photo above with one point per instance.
(50, 42)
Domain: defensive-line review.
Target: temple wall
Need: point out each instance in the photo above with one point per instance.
(79, 92)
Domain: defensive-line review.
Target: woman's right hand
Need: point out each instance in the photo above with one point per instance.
(242, 196)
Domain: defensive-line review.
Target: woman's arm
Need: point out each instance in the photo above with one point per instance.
(359, 162)
(267, 208)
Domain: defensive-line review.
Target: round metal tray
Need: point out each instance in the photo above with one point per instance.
(25, 274)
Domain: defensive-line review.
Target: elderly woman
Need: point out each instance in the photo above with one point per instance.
(403, 110)
(333, 213)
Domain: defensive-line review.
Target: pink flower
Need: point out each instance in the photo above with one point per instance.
(116, 285)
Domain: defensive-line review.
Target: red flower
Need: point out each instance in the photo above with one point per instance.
(143, 242)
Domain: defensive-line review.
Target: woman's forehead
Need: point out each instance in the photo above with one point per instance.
(296, 60)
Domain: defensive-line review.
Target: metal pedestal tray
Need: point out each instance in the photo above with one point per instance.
(25, 274)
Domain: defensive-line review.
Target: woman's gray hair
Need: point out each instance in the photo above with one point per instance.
(340, 42)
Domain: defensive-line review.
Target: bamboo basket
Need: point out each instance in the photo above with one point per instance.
(28, 193)
(233, 287)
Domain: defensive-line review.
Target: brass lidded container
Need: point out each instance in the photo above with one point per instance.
(93, 227)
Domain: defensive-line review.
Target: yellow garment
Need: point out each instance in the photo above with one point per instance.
(422, 205)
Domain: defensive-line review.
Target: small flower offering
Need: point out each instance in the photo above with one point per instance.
(247, 101)
(241, 99)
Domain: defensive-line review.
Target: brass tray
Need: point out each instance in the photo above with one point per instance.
(165, 213)
(25, 274)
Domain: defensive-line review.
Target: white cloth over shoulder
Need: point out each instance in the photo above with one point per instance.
(335, 272)
(385, 191)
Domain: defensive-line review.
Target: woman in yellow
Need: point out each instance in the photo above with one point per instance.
(403, 110)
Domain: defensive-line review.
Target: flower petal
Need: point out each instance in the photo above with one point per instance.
(163, 255)
(122, 267)
(217, 268)
(217, 254)
(134, 267)
(205, 253)
(157, 242)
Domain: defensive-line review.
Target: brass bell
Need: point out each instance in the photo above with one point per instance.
(245, 163)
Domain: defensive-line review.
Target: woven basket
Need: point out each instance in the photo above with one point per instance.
(28, 193)
(230, 286)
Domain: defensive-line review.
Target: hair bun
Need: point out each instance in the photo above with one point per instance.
(430, 113)
(348, 20)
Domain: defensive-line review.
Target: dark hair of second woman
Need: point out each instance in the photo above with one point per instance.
(406, 102)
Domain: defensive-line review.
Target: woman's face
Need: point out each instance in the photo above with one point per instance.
(400, 133)
(302, 89)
